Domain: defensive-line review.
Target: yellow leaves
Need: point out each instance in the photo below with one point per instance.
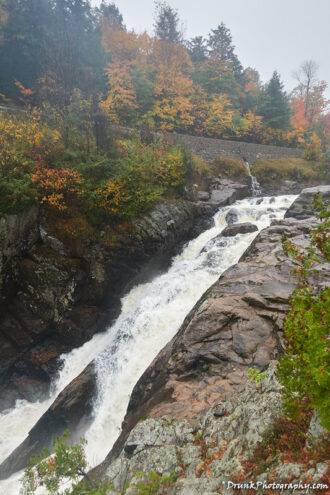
(113, 195)
(220, 115)
(18, 138)
(57, 186)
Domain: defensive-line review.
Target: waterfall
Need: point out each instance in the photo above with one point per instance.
(255, 186)
(151, 315)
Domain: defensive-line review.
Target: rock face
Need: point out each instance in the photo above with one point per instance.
(58, 299)
(239, 228)
(303, 206)
(226, 192)
(199, 382)
(74, 403)
(207, 453)
(17, 234)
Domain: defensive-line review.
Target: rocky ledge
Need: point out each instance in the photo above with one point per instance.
(194, 412)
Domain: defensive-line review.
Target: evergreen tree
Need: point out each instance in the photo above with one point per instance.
(110, 13)
(274, 104)
(221, 48)
(23, 40)
(197, 49)
(167, 23)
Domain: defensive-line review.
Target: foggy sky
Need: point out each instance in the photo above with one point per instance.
(268, 34)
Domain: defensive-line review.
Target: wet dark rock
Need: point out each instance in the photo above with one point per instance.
(71, 411)
(203, 196)
(232, 216)
(239, 228)
(303, 206)
(17, 234)
(228, 192)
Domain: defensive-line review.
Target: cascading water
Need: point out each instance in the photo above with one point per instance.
(151, 315)
(255, 186)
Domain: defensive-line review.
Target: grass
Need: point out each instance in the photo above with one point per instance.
(295, 169)
(231, 168)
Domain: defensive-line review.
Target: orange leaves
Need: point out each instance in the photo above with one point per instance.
(121, 98)
(298, 119)
(57, 186)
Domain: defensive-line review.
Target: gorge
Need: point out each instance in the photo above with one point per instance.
(151, 314)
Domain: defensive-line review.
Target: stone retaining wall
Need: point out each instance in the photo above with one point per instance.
(210, 148)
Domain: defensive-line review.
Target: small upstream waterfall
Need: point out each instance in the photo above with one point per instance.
(255, 186)
(151, 315)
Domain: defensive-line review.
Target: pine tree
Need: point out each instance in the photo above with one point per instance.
(111, 14)
(221, 48)
(167, 23)
(197, 49)
(274, 105)
(23, 39)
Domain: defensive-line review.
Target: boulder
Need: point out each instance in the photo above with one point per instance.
(228, 192)
(303, 206)
(232, 216)
(203, 196)
(239, 228)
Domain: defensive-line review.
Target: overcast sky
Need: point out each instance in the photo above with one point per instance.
(268, 34)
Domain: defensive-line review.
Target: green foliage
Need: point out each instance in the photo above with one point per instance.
(154, 483)
(229, 167)
(142, 175)
(65, 473)
(296, 169)
(274, 104)
(304, 369)
(255, 375)
(167, 22)
(66, 466)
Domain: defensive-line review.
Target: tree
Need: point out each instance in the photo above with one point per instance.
(252, 89)
(221, 48)
(67, 464)
(197, 49)
(311, 91)
(110, 14)
(274, 105)
(167, 23)
(174, 88)
(220, 117)
(24, 38)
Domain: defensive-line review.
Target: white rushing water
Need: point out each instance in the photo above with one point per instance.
(255, 186)
(151, 315)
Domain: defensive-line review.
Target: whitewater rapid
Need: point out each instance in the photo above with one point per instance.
(150, 317)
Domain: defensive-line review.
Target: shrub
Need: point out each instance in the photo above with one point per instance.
(312, 149)
(304, 369)
(271, 171)
(233, 168)
(66, 466)
(23, 142)
(141, 176)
